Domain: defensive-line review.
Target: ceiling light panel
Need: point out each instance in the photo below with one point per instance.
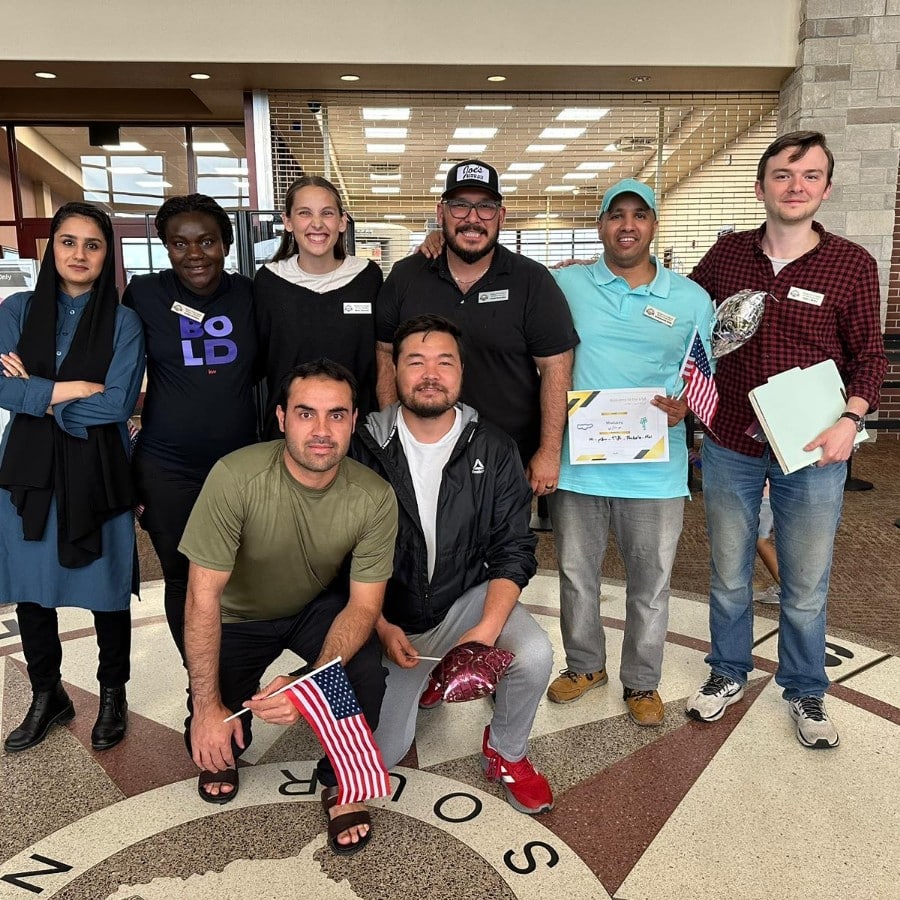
(549, 134)
(464, 134)
(581, 114)
(389, 133)
(525, 167)
(545, 148)
(385, 113)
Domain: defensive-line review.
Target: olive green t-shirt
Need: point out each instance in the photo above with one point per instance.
(282, 542)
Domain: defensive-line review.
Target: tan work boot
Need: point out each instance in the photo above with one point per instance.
(644, 707)
(569, 685)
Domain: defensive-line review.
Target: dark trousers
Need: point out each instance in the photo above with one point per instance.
(249, 648)
(39, 629)
(168, 498)
(175, 567)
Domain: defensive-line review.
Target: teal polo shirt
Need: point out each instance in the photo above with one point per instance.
(622, 346)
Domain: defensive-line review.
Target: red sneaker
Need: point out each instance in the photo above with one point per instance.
(526, 789)
(432, 696)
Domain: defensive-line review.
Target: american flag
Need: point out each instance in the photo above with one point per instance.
(701, 395)
(326, 700)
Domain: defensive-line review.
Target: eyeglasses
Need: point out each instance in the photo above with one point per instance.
(486, 210)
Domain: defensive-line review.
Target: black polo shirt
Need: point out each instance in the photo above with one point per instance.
(513, 314)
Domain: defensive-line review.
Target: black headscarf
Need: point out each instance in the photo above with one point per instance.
(89, 479)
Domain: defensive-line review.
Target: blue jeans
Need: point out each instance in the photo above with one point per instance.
(807, 508)
(647, 532)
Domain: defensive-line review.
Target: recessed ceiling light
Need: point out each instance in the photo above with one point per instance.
(124, 147)
(445, 167)
(384, 189)
(45, 75)
(560, 188)
(580, 176)
(566, 133)
(386, 148)
(581, 114)
(466, 148)
(545, 148)
(516, 176)
(525, 167)
(610, 148)
(640, 79)
(395, 133)
(595, 166)
(496, 78)
(349, 77)
(395, 216)
(435, 189)
(510, 188)
(469, 133)
(375, 177)
(209, 147)
(547, 216)
(200, 76)
(374, 113)
(487, 108)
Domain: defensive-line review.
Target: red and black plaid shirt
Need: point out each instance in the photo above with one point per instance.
(846, 327)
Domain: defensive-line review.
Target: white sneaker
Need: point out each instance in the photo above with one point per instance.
(814, 728)
(715, 695)
(771, 594)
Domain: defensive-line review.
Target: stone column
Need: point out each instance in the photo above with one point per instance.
(847, 85)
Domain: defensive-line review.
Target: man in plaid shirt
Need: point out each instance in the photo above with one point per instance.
(823, 302)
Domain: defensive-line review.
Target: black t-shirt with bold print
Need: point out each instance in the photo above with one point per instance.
(199, 403)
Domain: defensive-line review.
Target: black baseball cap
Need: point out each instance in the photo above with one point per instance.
(473, 173)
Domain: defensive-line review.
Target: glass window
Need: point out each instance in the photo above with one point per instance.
(221, 160)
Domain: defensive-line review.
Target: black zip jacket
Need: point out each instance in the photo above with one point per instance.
(484, 509)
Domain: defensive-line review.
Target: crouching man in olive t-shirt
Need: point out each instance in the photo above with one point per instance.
(267, 539)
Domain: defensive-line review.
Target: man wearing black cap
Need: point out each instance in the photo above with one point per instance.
(516, 325)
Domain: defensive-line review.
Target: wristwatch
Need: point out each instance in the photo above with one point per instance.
(854, 417)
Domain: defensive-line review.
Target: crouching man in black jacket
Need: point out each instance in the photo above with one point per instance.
(464, 552)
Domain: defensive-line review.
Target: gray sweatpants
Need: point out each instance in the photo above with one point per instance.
(518, 693)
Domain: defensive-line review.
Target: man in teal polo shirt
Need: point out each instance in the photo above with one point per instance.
(636, 320)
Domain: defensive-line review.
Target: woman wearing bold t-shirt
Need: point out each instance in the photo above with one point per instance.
(201, 360)
(313, 300)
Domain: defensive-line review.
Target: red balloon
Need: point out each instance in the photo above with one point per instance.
(471, 670)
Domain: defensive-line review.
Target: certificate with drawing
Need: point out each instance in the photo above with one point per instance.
(617, 426)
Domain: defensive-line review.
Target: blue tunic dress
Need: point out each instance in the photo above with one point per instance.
(29, 570)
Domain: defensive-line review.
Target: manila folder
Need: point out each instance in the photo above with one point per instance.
(796, 406)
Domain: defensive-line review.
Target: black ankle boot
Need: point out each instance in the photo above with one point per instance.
(47, 708)
(112, 720)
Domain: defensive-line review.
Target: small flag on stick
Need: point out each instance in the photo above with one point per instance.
(700, 394)
(326, 700)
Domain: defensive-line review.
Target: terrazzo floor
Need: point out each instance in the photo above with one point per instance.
(736, 809)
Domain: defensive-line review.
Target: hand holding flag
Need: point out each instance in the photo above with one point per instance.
(700, 392)
(326, 700)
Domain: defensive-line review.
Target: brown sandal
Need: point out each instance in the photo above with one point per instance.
(341, 823)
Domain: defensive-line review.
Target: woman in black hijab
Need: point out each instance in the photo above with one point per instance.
(73, 361)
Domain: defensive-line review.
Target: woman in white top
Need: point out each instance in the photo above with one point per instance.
(312, 299)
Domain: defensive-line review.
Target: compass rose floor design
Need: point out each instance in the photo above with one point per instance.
(736, 809)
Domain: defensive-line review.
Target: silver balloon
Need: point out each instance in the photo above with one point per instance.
(737, 319)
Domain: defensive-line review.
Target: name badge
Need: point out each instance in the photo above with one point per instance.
(357, 309)
(493, 296)
(813, 298)
(187, 311)
(651, 312)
